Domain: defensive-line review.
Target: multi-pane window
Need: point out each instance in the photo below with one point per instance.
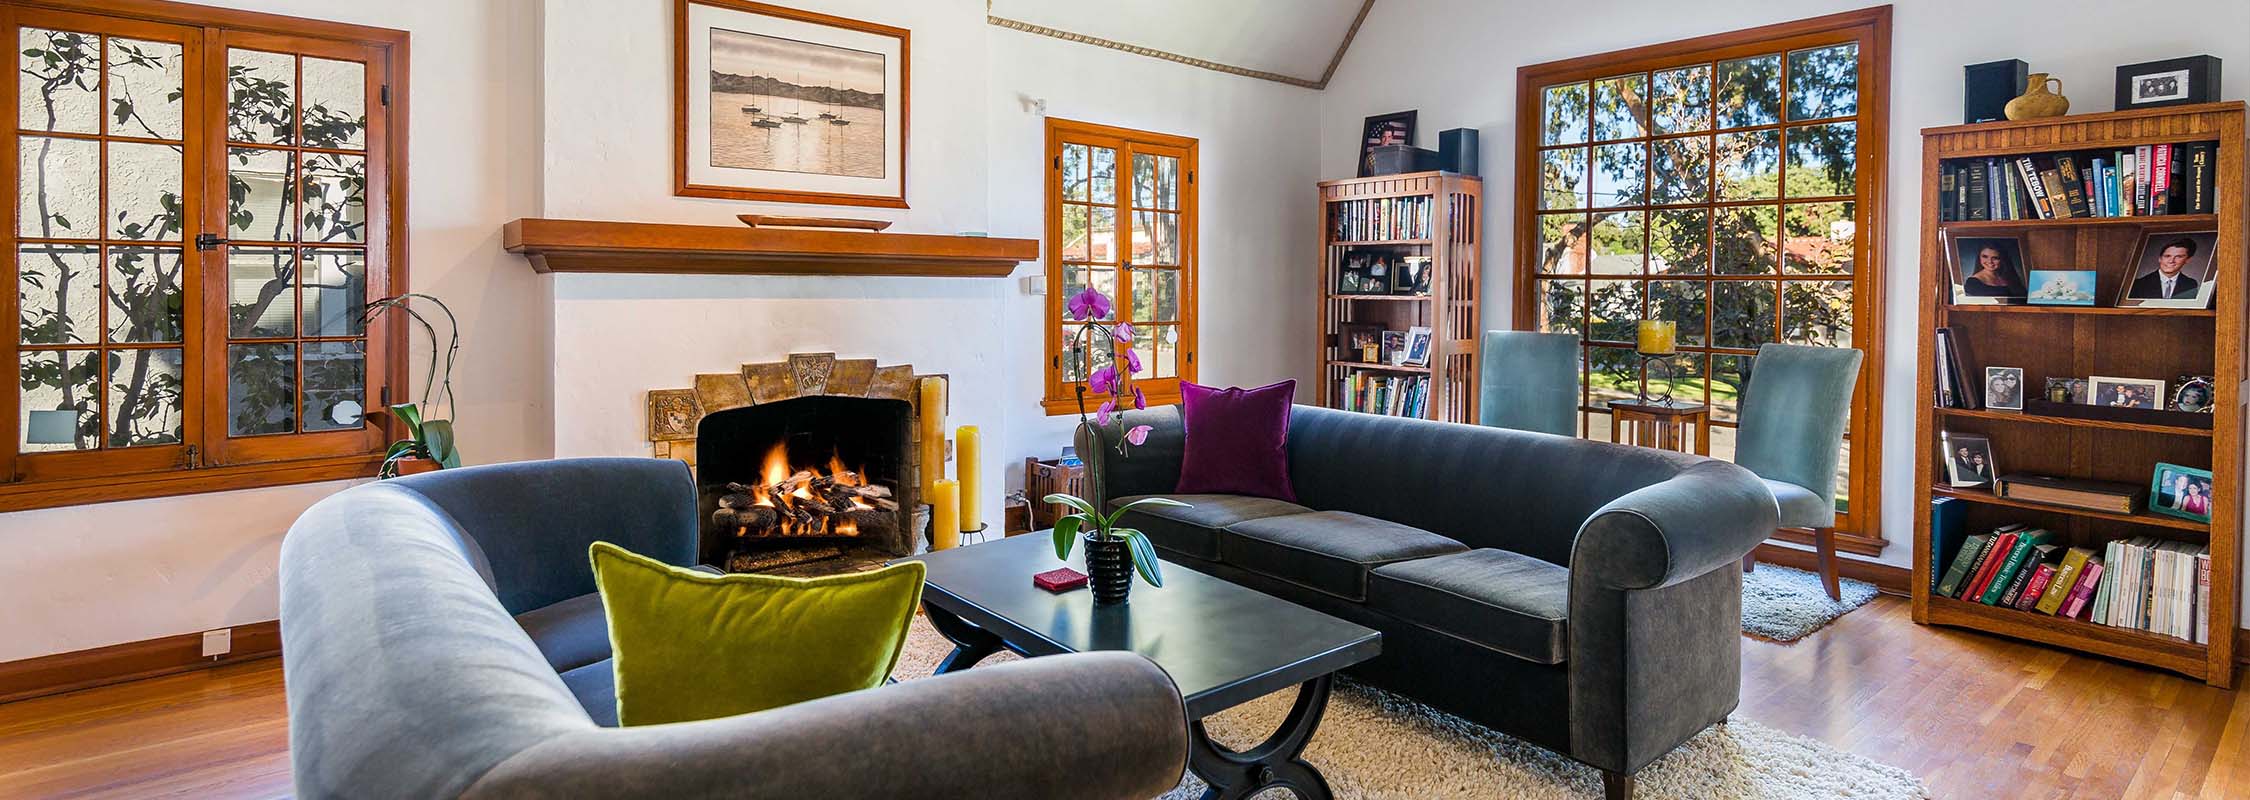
(199, 218)
(1121, 219)
(1724, 189)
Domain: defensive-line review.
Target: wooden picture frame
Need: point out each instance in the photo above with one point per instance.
(2199, 267)
(1964, 257)
(1383, 129)
(2003, 389)
(724, 143)
(2138, 393)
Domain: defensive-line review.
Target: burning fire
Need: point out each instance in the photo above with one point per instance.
(812, 502)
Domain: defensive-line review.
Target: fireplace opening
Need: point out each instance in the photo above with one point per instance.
(804, 479)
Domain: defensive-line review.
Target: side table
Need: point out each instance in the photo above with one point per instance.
(1662, 425)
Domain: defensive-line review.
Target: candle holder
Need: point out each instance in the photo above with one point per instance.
(1649, 363)
(1657, 342)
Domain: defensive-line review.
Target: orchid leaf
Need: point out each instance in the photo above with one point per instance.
(1066, 532)
(437, 436)
(1144, 556)
(1111, 520)
(1082, 506)
(410, 415)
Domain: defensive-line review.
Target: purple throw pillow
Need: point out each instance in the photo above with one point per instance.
(1237, 440)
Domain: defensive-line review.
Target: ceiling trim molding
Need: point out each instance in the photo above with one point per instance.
(1150, 52)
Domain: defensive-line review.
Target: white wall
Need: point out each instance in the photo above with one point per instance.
(1456, 61)
(97, 575)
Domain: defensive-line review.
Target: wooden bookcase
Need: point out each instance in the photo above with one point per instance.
(2077, 341)
(1449, 309)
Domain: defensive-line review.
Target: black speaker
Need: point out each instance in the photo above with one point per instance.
(1457, 150)
(1987, 88)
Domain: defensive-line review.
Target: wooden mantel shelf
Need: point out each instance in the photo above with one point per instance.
(569, 245)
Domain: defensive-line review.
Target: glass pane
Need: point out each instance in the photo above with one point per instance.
(1597, 426)
(1620, 105)
(146, 397)
(1168, 239)
(144, 88)
(1844, 477)
(1749, 164)
(1103, 185)
(1101, 234)
(1749, 91)
(1562, 243)
(1722, 437)
(1144, 346)
(1144, 238)
(1823, 160)
(260, 195)
(144, 191)
(1680, 241)
(1562, 306)
(1621, 174)
(1817, 237)
(1817, 313)
(1681, 100)
(1616, 311)
(58, 191)
(65, 382)
(1729, 375)
(145, 300)
(1682, 302)
(57, 286)
(1074, 171)
(1565, 115)
(1742, 313)
(1074, 233)
(1081, 358)
(1077, 277)
(335, 385)
(1681, 376)
(335, 292)
(261, 389)
(1144, 180)
(1167, 295)
(1824, 82)
(258, 302)
(261, 97)
(335, 104)
(1618, 242)
(334, 198)
(1156, 237)
(1562, 178)
(1167, 352)
(1167, 182)
(58, 81)
(1612, 373)
(1144, 295)
(1680, 171)
(1745, 239)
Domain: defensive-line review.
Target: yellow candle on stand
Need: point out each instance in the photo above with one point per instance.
(945, 515)
(965, 441)
(931, 433)
(1658, 337)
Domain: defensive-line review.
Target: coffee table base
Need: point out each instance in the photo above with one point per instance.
(1230, 775)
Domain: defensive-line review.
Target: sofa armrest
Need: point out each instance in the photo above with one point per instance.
(1709, 514)
(1096, 725)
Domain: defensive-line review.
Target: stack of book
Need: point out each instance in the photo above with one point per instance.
(1380, 219)
(1392, 395)
(2145, 583)
(1954, 387)
(2148, 180)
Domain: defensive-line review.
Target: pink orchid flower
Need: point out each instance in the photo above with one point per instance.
(1102, 416)
(1132, 362)
(1089, 303)
(1103, 381)
(1122, 332)
(1138, 435)
(1140, 401)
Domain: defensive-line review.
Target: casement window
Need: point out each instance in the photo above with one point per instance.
(1121, 217)
(204, 201)
(1732, 184)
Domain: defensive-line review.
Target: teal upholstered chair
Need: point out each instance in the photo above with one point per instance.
(1793, 418)
(1529, 382)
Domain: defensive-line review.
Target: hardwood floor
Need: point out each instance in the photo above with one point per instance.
(1973, 715)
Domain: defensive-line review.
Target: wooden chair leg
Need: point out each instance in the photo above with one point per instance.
(1750, 562)
(1616, 786)
(1824, 539)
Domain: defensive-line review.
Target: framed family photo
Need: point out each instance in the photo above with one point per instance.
(2173, 270)
(2181, 492)
(1968, 460)
(2003, 388)
(2125, 392)
(782, 105)
(1986, 270)
(1387, 129)
(2172, 82)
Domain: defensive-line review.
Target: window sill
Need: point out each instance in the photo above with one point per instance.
(106, 489)
(1057, 407)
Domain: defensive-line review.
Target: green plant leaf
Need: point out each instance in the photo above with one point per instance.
(1111, 520)
(437, 435)
(1073, 502)
(411, 416)
(1144, 556)
(1066, 532)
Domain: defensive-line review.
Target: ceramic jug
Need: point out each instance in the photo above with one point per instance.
(2039, 102)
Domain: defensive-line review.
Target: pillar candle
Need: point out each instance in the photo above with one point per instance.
(1658, 337)
(945, 515)
(931, 432)
(965, 441)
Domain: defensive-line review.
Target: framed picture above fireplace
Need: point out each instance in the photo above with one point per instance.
(782, 105)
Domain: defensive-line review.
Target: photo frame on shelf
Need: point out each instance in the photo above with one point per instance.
(2183, 492)
(2195, 394)
(1417, 347)
(2003, 388)
(1411, 275)
(1360, 341)
(2172, 270)
(2062, 287)
(1396, 128)
(2066, 390)
(1986, 270)
(2171, 82)
(1394, 348)
(1969, 463)
(2125, 392)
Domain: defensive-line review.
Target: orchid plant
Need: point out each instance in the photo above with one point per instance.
(1089, 307)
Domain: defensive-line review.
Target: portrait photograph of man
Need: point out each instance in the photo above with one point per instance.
(2173, 271)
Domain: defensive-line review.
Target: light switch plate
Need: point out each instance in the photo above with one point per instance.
(218, 643)
(1035, 285)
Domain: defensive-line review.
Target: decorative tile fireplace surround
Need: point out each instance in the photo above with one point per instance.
(799, 461)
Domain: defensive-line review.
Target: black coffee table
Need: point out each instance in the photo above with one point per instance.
(1224, 645)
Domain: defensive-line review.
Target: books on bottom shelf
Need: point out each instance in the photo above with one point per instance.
(2144, 583)
(1390, 395)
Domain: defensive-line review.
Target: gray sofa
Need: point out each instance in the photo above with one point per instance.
(441, 638)
(1580, 595)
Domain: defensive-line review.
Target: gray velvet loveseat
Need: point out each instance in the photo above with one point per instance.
(440, 638)
(1580, 595)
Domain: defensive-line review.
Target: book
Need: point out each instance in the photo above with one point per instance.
(2198, 176)
(1994, 555)
(2073, 563)
(2073, 186)
(2040, 579)
(2116, 498)
(2027, 171)
(2160, 179)
(1979, 200)
(1948, 193)
(2125, 173)
(2140, 180)
(2112, 555)
(2017, 556)
(1948, 527)
(1964, 559)
(2203, 596)
(1965, 390)
(2097, 187)
(2044, 554)
(2077, 604)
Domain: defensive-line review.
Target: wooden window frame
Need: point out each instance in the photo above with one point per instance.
(1060, 396)
(208, 460)
(1860, 529)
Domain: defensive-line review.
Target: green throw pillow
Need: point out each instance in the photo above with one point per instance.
(691, 645)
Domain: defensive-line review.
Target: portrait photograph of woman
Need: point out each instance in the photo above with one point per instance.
(1987, 270)
(2181, 492)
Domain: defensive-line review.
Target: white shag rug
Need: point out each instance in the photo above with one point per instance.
(1374, 744)
(1784, 604)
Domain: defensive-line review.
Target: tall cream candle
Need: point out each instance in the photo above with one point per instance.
(965, 445)
(931, 433)
(945, 515)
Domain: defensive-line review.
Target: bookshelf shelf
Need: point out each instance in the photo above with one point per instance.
(1362, 219)
(2076, 342)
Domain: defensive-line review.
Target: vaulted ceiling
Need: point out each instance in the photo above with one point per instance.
(1293, 41)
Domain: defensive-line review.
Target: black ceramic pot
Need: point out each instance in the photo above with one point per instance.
(1109, 569)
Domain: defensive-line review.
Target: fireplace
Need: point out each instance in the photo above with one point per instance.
(809, 461)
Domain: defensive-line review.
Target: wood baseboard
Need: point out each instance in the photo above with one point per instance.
(2242, 645)
(118, 663)
(1887, 579)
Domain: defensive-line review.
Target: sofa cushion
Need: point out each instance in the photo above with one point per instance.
(1194, 530)
(571, 634)
(1800, 507)
(1327, 551)
(1506, 601)
(1237, 440)
(595, 688)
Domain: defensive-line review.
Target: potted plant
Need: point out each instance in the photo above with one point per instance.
(428, 442)
(1113, 554)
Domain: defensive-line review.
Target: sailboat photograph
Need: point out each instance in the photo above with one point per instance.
(784, 105)
(780, 86)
